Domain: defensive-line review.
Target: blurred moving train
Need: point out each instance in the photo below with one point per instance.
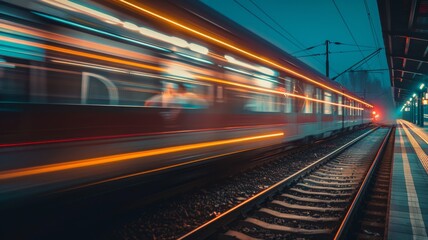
(170, 73)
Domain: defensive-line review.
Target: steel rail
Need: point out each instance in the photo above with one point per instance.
(351, 214)
(209, 228)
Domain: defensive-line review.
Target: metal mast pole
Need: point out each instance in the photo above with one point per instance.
(327, 67)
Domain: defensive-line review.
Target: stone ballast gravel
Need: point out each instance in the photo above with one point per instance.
(178, 215)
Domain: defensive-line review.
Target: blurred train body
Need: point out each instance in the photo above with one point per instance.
(82, 70)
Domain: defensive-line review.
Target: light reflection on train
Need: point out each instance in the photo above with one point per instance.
(80, 70)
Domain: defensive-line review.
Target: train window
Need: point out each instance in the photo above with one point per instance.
(74, 82)
(309, 92)
(339, 108)
(261, 103)
(289, 87)
(351, 110)
(327, 107)
(178, 95)
(242, 100)
(318, 95)
(14, 84)
(358, 110)
(239, 99)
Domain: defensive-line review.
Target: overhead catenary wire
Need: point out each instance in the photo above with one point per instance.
(357, 45)
(274, 21)
(306, 49)
(274, 29)
(320, 54)
(365, 59)
(373, 30)
(349, 30)
(267, 24)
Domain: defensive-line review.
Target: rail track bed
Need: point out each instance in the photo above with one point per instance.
(313, 204)
(176, 216)
(372, 220)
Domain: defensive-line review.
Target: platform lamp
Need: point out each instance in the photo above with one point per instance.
(416, 105)
(422, 102)
(412, 110)
(406, 111)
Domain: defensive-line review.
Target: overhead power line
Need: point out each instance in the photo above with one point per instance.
(306, 49)
(274, 21)
(347, 27)
(267, 24)
(321, 54)
(355, 45)
(362, 61)
(295, 42)
(373, 30)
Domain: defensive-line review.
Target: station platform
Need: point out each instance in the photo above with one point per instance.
(408, 216)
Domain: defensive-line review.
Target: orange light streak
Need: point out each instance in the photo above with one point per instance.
(155, 170)
(125, 156)
(77, 42)
(230, 46)
(272, 91)
(81, 54)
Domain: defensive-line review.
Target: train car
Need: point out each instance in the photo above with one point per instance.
(183, 84)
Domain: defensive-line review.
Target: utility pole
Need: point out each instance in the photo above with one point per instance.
(327, 65)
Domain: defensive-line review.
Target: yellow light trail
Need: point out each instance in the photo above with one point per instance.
(422, 156)
(155, 170)
(125, 156)
(230, 46)
(416, 130)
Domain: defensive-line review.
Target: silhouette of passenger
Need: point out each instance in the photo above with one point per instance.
(181, 98)
(164, 99)
(188, 99)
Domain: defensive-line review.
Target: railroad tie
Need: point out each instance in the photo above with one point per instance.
(298, 217)
(239, 235)
(305, 207)
(320, 193)
(287, 229)
(314, 200)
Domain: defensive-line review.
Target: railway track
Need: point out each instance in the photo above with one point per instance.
(318, 202)
(372, 220)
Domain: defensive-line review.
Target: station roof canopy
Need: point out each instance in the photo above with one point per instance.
(405, 34)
